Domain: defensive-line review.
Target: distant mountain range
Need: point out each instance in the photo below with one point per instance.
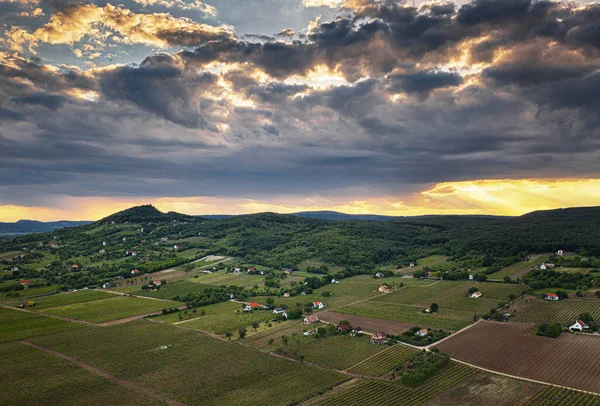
(32, 226)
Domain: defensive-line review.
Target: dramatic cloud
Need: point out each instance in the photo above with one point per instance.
(382, 100)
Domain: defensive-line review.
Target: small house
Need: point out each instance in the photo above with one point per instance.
(104, 243)
(318, 305)
(75, 266)
(124, 238)
(476, 295)
(378, 338)
(53, 245)
(237, 271)
(287, 271)
(251, 306)
(470, 276)
(176, 246)
(251, 269)
(24, 282)
(278, 310)
(308, 320)
(143, 241)
(133, 253)
(427, 310)
(334, 281)
(343, 328)
(165, 239)
(411, 264)
(384, 289)
(102, 251)
(286, 294)
(561, 252)
(135, 271)
(156, 283)
(378, 275)
(550, 296)
(302, 293)
(422, 333)
(579, 326)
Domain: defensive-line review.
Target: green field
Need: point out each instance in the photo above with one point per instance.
(37, 378)
(220, 318)
(68, 298)
(171, 290)
(520, 268)
(224, 278)
(544, 311)
(197, 369)
(16, 325)
(384, 361)
(374, 392)
(114, 308)
(339, 351)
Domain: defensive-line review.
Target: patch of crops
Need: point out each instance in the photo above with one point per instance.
(16, 325)
(384, 361)
(555, 396)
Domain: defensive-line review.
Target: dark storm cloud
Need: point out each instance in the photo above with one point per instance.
(175, 126)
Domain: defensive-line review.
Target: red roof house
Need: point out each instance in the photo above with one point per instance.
(75, 266)
(550, 296)
(24, 282)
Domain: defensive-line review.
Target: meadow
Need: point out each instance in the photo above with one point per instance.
(195, 369)
(114, 308)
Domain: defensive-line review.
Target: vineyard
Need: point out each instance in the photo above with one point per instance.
(555, 396)
(520, 268)
(375, 392)
(113, 308)
(192, 368)
(570, 360)
(63, 299)
(16, 325)
(384, 361)
(339, 351)
(543, 311)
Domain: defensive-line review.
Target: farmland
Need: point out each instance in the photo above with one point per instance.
(16, 325)
(139, 352)
(384, 361)
(375, 392)
(57, 381)
(519, 269)
(554, 396)
(114, 308)
(339, 351)
(536, 310)
(68, 298)
(508, 348)
(368, 324)
(221, 318)
(171, 290)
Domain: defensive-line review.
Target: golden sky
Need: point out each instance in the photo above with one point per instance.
(499, 197)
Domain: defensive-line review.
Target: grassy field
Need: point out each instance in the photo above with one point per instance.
(171, 290)
(520, 268)
(223, 278)
(384, 361)
(197, 369)
(114, 308)
(16, 325)
(37, 378)
(27, 293)
(61, 299)
(315, 262)
(339, 351)
(372, 392)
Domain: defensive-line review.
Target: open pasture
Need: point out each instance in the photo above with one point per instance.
(376, 392)
(196, 369)
(570, 360)
(16, 325)
(32, 377)
(114, 308)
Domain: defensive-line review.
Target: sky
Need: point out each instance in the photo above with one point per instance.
(243, 106)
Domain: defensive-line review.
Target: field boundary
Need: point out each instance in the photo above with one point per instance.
(104, 374)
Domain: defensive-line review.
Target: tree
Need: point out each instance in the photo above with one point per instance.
(270, 301)
(562, 294)
(434, 307)
(597, 293)
(255, 325)
(285, 339)
(242, 332)
(229, 334)
(473, 289)
(481, 277)
(586, 317)
(271, 341)
(507, 279)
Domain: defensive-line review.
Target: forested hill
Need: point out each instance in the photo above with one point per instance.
(277, 240)
(32, 226)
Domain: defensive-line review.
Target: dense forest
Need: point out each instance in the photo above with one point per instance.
(278, 241)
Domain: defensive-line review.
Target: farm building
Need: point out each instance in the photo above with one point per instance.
(251, 269)
(102, 251)
(176, 246)
(561, 252)
(251, 306)
(476, 295)
(75, 266)
(156, 283)
(318, 305)
(54, 245)
(579, 326)
(378, 338)
(411, 264)
(287, 271)
(278, 310)
(104, 243)
(550, 296)
(470, 276)
(546, 265)
(344, 328)
(24, 282)
(135, 271)
(308, 320)
(378, 275)
(422, 333)
(286, 294)
(427, 310)
(384, 289)
(334, 281)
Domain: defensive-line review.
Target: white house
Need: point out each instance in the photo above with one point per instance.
(308, 320)
(334, 281)
(470, 276)
(286, 294)
(546, 265)
(411, 264)
(378, 275)
(476, 295)
(176, 247)
(579, 326)
(278, 310)
(102, 251)
(560, 252)
(104, 243)
(318, 305)
(422, 333)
